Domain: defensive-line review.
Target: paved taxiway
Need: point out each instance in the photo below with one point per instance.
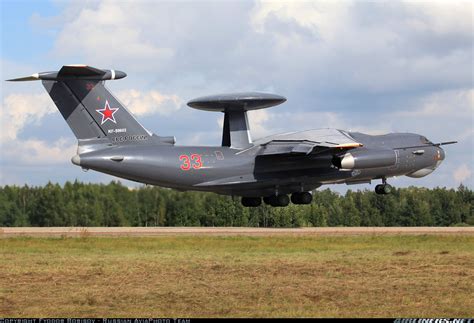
(222, 231)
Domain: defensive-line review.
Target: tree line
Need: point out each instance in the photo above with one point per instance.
(113, 204)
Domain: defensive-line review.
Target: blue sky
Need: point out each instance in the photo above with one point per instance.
(20, 41)
(374, 67)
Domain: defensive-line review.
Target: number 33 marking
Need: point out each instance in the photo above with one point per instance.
(187, 162)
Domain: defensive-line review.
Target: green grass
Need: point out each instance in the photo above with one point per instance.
(201, 276)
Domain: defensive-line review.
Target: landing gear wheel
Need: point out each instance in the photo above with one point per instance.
(378, 189)
(383, 189)
(283, 200)
(301, 198)
(387, 189)
(279, 200)
(251, 201)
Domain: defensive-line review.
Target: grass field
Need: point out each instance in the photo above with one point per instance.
(238, 276)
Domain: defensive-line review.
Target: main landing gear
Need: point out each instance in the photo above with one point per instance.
(383, 188)
(301, 198)
(277, 200)
(251, 201)
(280, 200)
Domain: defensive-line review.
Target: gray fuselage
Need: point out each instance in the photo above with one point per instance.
(246, 172)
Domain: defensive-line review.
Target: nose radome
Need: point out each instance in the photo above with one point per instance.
(441, 153)
(439, 156)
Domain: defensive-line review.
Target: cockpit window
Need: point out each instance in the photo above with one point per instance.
(425, 140)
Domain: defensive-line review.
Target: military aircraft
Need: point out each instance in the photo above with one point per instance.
(112, 141)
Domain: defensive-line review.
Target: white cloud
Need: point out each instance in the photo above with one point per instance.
(370, 47)
(322, 17)
(462, 174)
(442, 16)
(444, 115)
(19, 110)
(39, 152)
(110, 33)
(367, 47)
(259, 123)
(330, 18)
(450, 103)
(267, 123)
(151, 102)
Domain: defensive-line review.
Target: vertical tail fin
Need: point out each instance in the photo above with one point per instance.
(88, 107)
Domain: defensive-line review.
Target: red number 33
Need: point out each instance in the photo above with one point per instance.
(194, 162)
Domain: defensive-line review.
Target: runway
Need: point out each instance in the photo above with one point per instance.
(6, 232)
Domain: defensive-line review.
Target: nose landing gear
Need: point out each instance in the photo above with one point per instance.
(383, 188)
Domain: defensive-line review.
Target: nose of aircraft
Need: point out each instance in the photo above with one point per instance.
(439, 156)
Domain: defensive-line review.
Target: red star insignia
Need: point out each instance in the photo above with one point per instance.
(107, 113)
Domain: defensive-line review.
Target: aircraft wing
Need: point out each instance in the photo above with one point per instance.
(305, 147)
(308, 142)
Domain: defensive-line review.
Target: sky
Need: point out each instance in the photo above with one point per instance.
(374, 67)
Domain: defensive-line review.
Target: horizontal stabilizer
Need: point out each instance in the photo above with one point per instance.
(68, 72)
(80, 70)
(33, 77)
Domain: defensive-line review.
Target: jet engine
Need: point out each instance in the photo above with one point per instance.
(366, 158)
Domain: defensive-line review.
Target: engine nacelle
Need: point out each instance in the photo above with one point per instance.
(367, 158)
